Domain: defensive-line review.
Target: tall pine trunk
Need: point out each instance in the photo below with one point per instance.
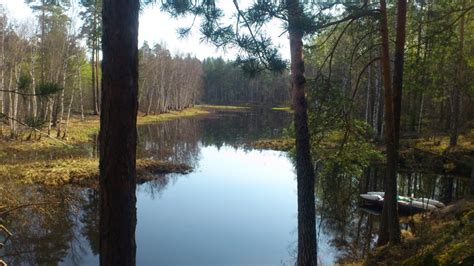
(399, 59)
(307, 253)
(389, 227)
(118, 132)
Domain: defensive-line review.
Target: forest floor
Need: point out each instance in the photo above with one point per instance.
(440, 238)
(72, 160)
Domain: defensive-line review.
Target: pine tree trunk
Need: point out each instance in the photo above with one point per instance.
(118, 133)
(389, 227)
(398, 67)
(307, 253)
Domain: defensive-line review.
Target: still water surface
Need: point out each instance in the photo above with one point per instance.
(238, 206)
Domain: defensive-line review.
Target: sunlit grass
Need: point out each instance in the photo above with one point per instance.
(79, 171)
(79, 133)
(223, 107)
(286, 109)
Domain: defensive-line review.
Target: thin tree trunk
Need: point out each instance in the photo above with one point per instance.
(15, 106)
(2, 73)
(33, 81)
(51, 108)
(61, 104)
(453, 140)
(66, 127)
(118, 132)
(43, 47)
(420, 114)
(307, 253)
(81, 94)
(389, 228)
(96, 60)
(94, 92)
(10, 103)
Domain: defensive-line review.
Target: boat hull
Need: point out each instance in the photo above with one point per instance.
(405, 205)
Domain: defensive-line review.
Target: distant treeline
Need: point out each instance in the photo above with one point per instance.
(50, 71)
(167, 82)
(226, 83)
(175, 82)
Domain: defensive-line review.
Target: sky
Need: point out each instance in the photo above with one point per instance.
(158, 27)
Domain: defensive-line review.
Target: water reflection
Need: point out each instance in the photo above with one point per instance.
(238, 206)
(352, 230)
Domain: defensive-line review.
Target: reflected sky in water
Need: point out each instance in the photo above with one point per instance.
(238, 206)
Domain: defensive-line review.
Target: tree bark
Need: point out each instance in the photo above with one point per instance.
(81, 94)
(389, 228)
(2, 72)
(307, 253)
(118, 133)
(94, 91)
(33, 80)
(66, 127)
(398, 67)
(61, 103)
(453, 140)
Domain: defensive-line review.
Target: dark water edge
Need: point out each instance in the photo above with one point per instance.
(237, 208)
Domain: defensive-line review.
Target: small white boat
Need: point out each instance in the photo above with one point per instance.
(405, 204)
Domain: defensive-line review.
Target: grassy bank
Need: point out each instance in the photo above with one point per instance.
(444, 238)
(50, 161)
(80, 171)
(79, 133)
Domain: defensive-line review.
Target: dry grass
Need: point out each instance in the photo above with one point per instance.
(55, 162)
(79, 133)
(223, 107)
(80, 171)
